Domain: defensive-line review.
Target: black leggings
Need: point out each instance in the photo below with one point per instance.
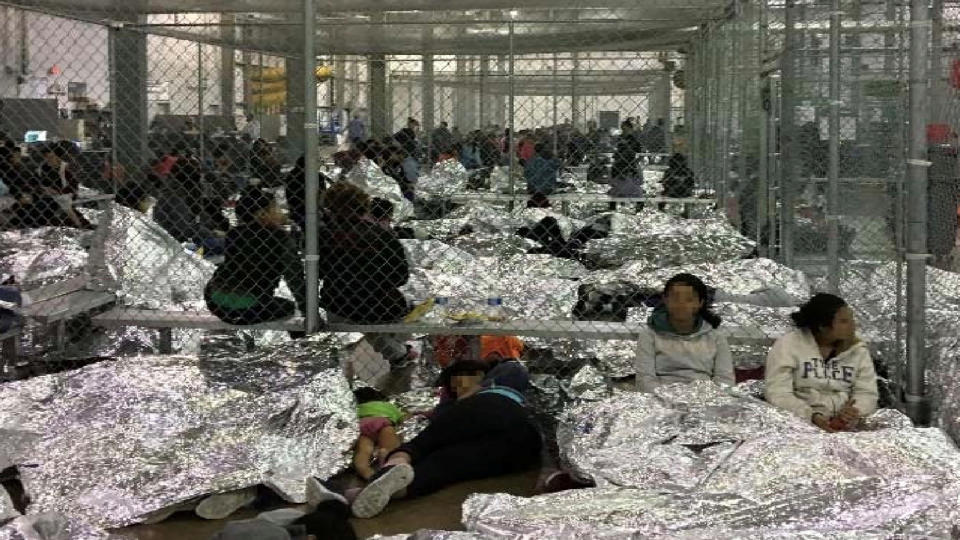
(482, 436)
(269, 310)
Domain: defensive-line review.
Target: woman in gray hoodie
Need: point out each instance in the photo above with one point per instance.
(681, 342)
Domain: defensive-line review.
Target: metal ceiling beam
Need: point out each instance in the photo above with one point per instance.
(378, 6)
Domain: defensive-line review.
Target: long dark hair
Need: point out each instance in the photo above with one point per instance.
(706, 312)
(818, 312)
(461, 367)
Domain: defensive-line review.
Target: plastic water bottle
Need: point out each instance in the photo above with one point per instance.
(494, 308)
(441, 306)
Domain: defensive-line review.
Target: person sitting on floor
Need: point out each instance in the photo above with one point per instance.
(540, 172)
(258, 253)
(378, 435)
(821, 371)
(33, 205)
(486, 432)
(363, 267)
(681, 342)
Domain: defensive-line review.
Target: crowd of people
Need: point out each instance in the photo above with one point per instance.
(820, 372)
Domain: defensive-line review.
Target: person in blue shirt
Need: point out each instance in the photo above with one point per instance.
(540, 172)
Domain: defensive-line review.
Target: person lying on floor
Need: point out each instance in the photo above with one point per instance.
(258, 253)
(821, 371)
(378, 434)
(681, 342)
(486, 432)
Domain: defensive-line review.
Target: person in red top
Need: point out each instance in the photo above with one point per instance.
(526, 148)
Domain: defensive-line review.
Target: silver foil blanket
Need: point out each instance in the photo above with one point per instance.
(146, 268)
(697, 461)
(446, 178)
(120, 439)
(38, 257)
(735, 277)
(657, 240)
(53, 526)
(865, 508)
(368, 176)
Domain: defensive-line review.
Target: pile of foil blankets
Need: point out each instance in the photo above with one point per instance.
(146, 268)
(43, 256)
(114, 441)
(53, 526)
(446, 178)
(697, 461)
(657, 240)
(369, 177)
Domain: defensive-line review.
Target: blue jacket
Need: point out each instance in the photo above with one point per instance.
(541, 175)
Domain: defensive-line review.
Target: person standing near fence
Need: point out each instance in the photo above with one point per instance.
(407, 138)
(362, 268)
(356, 130)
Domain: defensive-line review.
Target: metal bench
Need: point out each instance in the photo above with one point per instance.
(9, 350)
(57, 310)
(165, 321)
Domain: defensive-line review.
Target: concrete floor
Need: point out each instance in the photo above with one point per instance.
(438, 511)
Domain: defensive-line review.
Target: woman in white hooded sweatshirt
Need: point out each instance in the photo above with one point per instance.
(821, 371)
(681, 343)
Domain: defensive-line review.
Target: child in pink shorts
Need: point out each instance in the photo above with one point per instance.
(378, 421)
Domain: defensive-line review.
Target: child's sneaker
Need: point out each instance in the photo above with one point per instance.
(384, 485)
(318, 493)
(222, 505)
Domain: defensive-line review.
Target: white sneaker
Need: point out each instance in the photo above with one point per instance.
(318, 493)
(222, 505)
(375, 497)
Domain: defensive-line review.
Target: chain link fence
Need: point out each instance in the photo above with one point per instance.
(539, 172)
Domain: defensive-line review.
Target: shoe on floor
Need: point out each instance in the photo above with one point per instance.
(162, 514)
(318, 493)
(222, 505)
(375, 497)
(562, 481)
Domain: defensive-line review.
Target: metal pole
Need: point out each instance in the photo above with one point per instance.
(833, 172)
(112, 51)
(510, 120)
(915, 395)
(200, 97)
(556, 132)
(310, 136)
(763, 151)
(787, 150)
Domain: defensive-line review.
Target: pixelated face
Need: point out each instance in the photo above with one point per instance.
(683, 303)
(465, 384)
(272, 216)
(844, 326)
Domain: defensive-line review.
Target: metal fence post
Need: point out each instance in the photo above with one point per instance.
(200, 120)
(788, 177)
(915, 395)
(310, 141)
(511, 154)
(833, 171)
